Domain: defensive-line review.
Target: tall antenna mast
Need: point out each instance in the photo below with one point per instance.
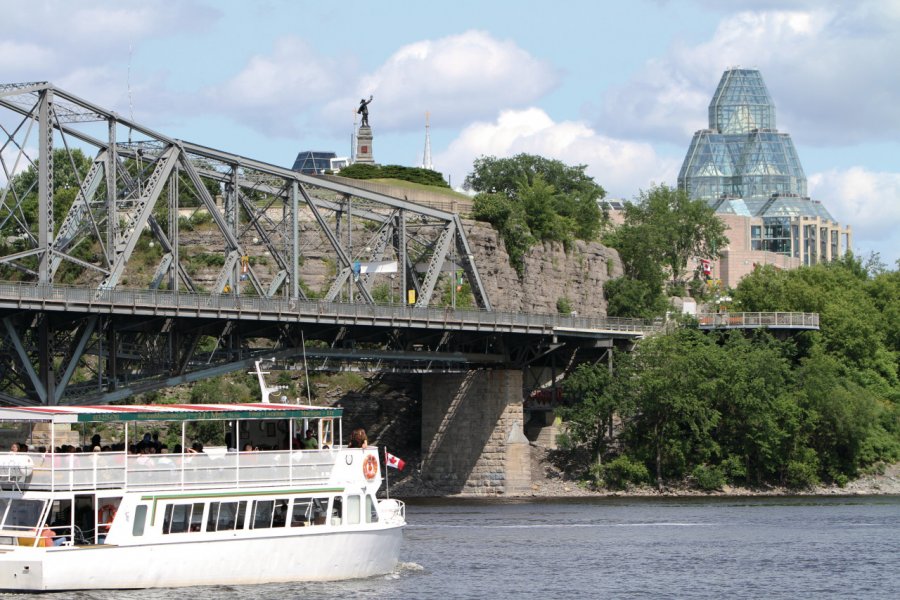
(426, 158)
(128, 84)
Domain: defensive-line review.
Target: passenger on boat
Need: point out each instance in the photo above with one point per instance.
(196, 448)
(310, 442)
(358, 438)
(14, 447)
(248, 447)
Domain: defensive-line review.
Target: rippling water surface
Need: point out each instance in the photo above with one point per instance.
(616, 548)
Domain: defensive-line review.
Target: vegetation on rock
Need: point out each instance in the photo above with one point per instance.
(662, 231)
(530, 198)
(747, 409)
(413, 174)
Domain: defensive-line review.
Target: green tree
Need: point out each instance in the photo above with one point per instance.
(667, 381)
(529, 198)
(667, 228)
(591, 407)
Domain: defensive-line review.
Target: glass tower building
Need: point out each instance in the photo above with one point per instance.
(751, 174)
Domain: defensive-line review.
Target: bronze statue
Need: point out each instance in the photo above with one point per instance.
(364, 111)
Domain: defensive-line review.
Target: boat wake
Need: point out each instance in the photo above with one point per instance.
(407, 566)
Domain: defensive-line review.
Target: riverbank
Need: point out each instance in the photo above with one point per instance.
(549, 482)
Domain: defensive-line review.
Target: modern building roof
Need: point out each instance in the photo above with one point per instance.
(742, 164)
(312, 162)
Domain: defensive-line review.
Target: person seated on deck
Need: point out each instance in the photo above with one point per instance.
(196, 448)
(358, 438)
(310, 442)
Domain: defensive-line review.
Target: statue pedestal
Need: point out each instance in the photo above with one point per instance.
(364, 145)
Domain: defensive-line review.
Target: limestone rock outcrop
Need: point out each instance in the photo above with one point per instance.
(550, 274)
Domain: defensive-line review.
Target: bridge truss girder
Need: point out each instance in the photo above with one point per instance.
(148, 211)
(264, 213)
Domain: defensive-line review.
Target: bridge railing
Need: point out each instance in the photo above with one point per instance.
(143, 301)
(750, 320)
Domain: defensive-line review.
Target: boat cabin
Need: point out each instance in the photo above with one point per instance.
(63, 493)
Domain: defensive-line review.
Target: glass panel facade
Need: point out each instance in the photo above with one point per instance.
(777, 235)
(741, 154)
(313, 163)
(741, 103)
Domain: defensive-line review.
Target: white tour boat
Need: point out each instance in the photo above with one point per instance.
(113, 519)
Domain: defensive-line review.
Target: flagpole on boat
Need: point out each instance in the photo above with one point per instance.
(387, 483)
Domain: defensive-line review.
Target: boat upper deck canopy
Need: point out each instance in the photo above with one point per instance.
(164, 412)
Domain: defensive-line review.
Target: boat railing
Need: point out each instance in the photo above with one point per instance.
(143, 472)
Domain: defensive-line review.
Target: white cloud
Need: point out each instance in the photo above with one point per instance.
(83, 47)
(458, 78)
(83, 28)
(867, 201)
(23, 57)
(621, 167)
(272, 91)
(824, 68)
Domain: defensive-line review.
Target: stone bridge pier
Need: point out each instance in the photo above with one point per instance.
(472, 433)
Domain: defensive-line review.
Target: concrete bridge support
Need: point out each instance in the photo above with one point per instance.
(472, 436)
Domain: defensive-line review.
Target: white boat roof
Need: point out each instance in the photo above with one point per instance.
(164, 412)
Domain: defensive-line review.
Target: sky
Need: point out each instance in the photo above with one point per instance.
(617, 86)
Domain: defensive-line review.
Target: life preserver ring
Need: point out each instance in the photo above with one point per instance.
(370, 467)
(105, 516)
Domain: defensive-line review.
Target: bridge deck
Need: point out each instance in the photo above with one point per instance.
(156, 303)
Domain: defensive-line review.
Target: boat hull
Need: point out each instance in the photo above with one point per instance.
(234, 561)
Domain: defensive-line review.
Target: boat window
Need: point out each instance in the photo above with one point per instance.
(353, 506)
(223, 516)
(23, 514)
(180, 518)
(337, 510)
(371, 510)
(301, 514)
(60, 518)
(262, 514)
(140, 519)
(242, 514)
(279, 518)
(197, 517)
(309, 511)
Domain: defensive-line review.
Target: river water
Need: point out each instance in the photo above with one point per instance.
(624, 548)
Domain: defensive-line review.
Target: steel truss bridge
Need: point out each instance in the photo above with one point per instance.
(136, 261)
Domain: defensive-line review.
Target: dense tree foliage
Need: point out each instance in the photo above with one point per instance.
(529, 198)
(412, 174)
(662, 231)
(22, 196)
(745, 408)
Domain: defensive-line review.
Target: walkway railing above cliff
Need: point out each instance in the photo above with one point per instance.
(757, 320)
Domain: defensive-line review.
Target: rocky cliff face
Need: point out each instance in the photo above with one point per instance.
(550, 272)
(549, 275)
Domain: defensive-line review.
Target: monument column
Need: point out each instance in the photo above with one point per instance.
(364, 145)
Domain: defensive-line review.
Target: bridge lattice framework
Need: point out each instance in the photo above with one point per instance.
(99, 226)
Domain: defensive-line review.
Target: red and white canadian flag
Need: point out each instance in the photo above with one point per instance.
(394, 461)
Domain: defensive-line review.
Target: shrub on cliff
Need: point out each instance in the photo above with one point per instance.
(530, 198)
(411, 174)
